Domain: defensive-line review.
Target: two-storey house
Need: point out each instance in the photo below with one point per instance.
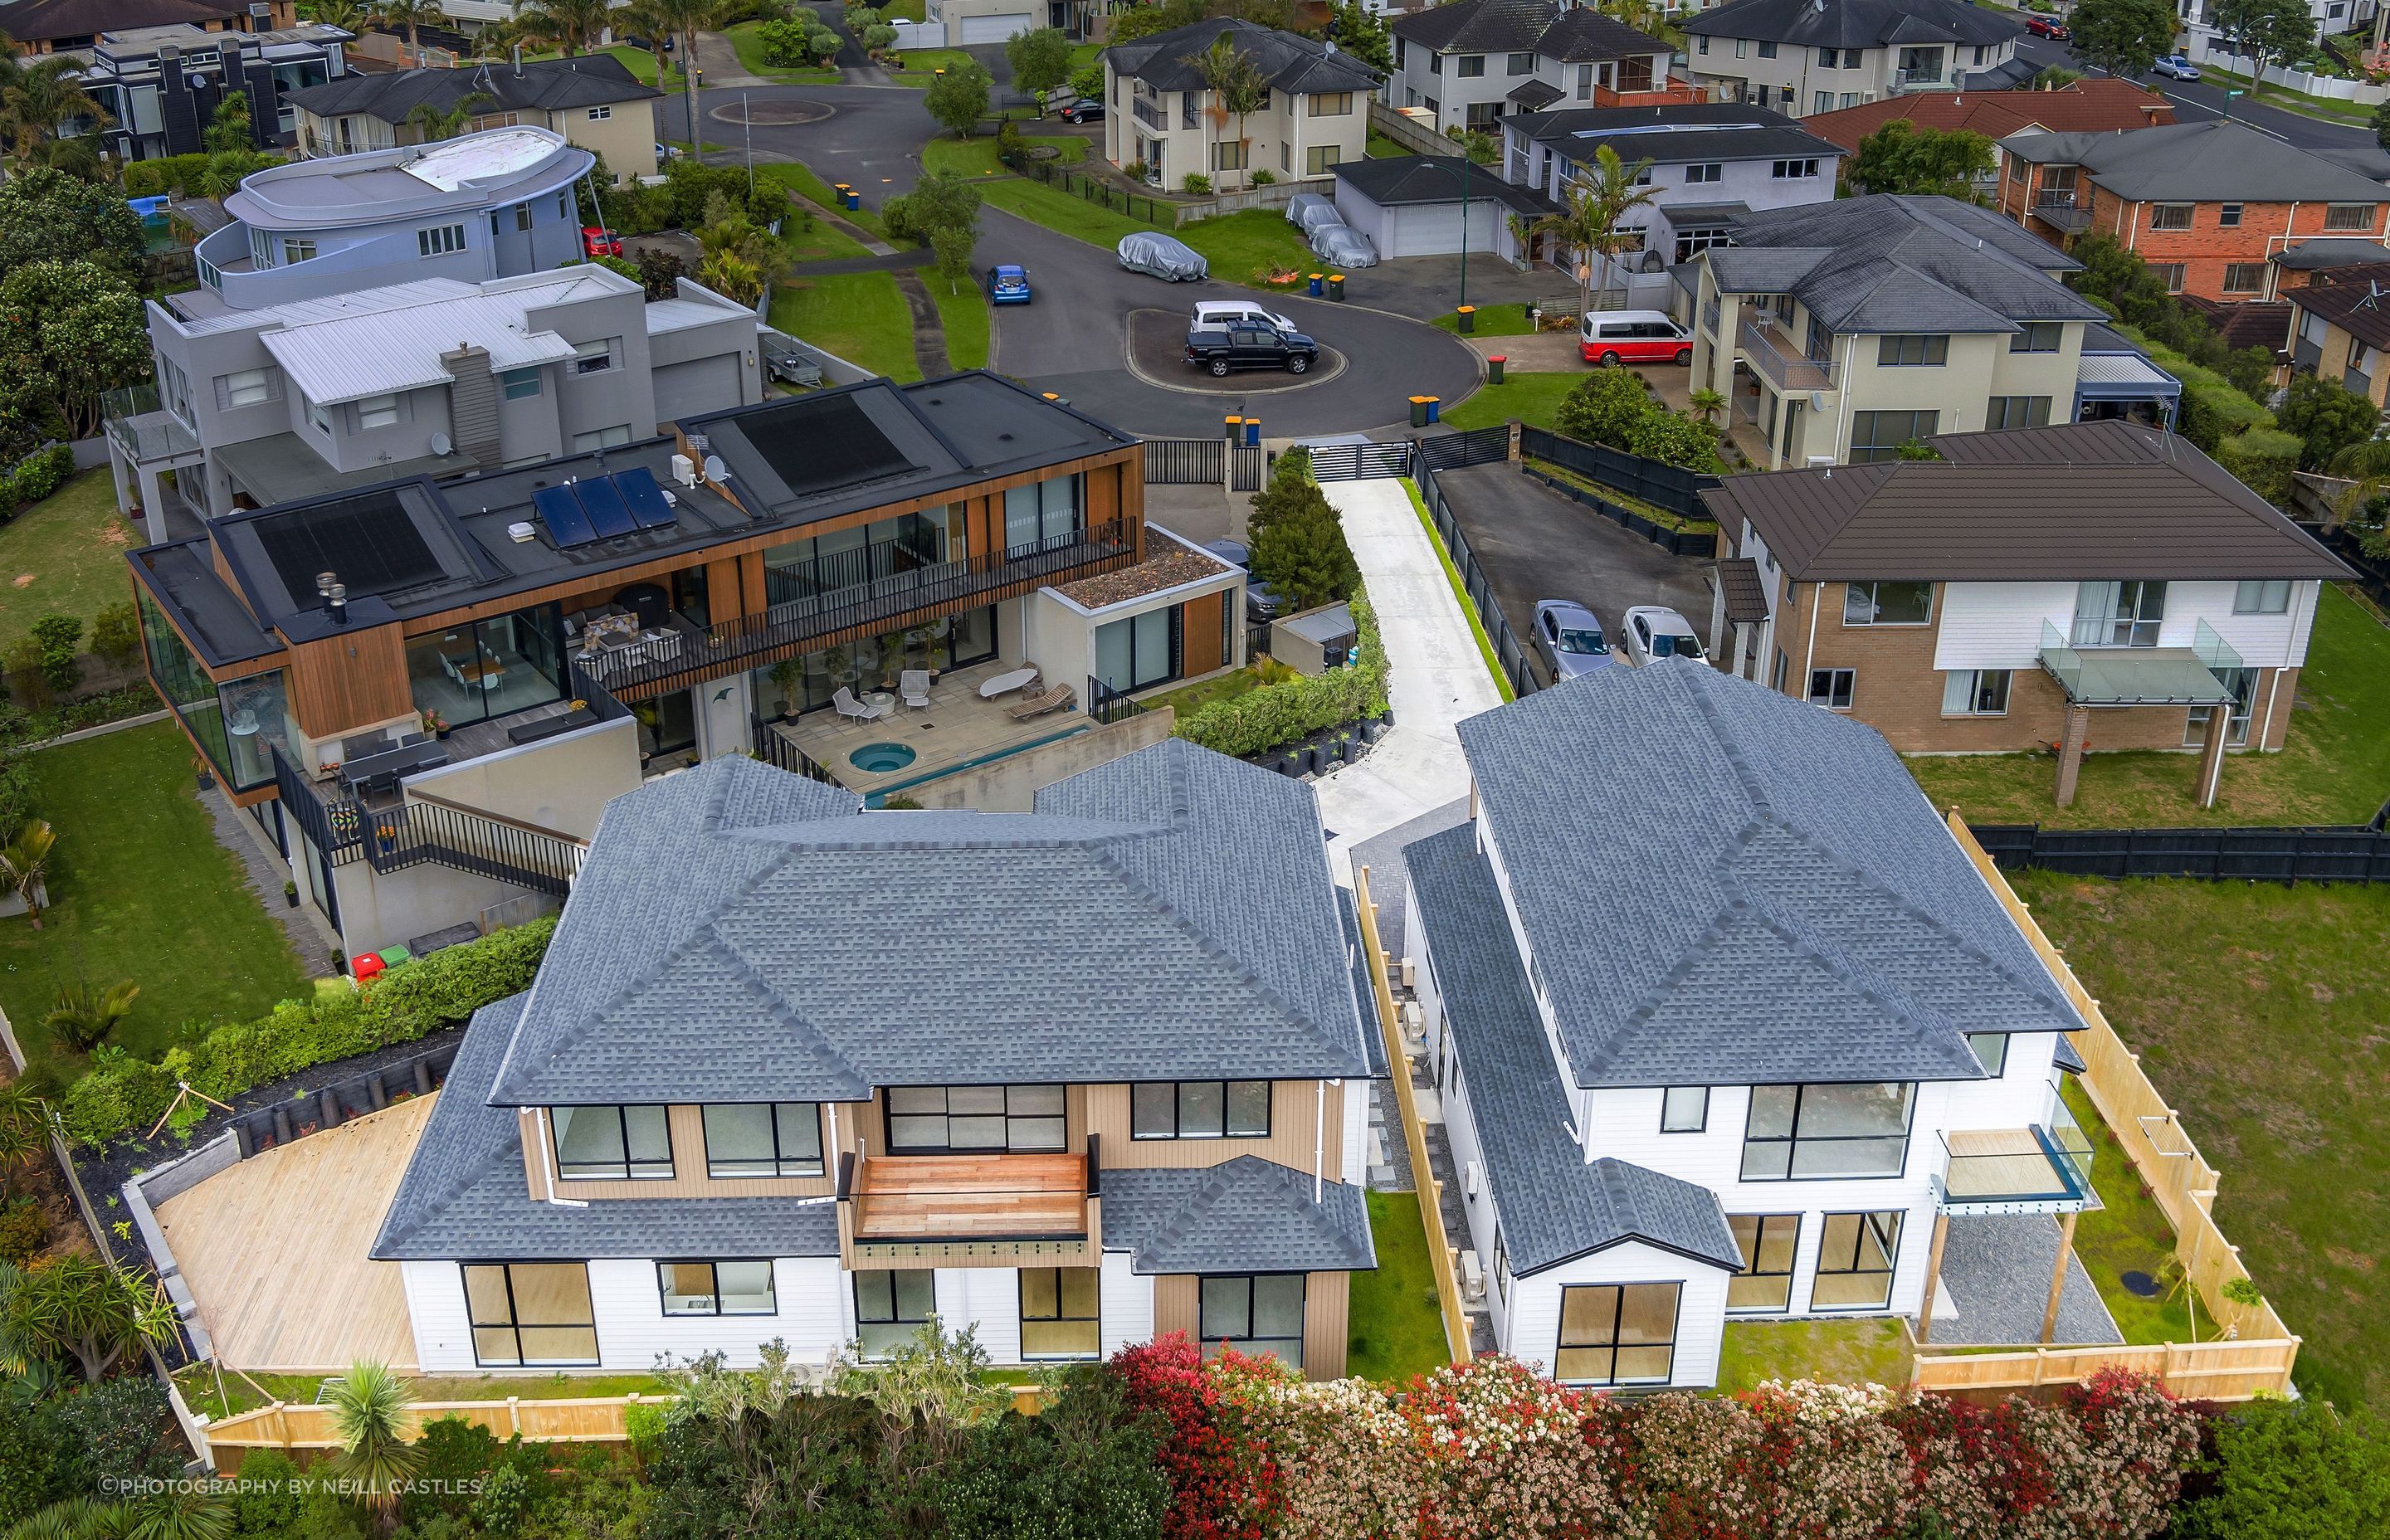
(2088, 586)
(54, 26)
(1096, 1088)
(2207, 205)
(1748, 1039)
(1470, 63)
(1161, 114)
(2340, 328)
(161, 86)
(593, 102)
(1842, 332)
(1801, 57)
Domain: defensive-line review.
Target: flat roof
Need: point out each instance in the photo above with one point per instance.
(377, 187)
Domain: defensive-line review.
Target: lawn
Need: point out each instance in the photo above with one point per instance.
(921, 65)
(1252, 248)
(1381, 148)
(65, 556)
(2258, 1012)
(1397, 1329)
(822, 243)
(638, 60)
(140, 890)
(243, 1392)
(749, 47)
(1065, 213)
(903, 10)
(1531, 398)
(965, 317)
(2334, 769)
(859, 317)
(1493, 321)
(800, 180)
(1226, 686)
(977, 156)
(2130, 1234)
(1848, 1353)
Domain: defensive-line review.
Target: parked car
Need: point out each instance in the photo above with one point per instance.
(1656, 631)
(1340, 245)
(2175, 67)
(2047, 26)
(1239, 313)
(1569, 635)
(668, 152)
(1008, 284)
(599, 241)
(1087, 109)
(1162, 256)
(1220, 349)
(1634, 337)
(1236, 553)
(1264, 604)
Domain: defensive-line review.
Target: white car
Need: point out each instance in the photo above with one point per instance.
(1656, 631)
(2175, 67)
(1210, 313)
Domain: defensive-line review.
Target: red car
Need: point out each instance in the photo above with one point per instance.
(597, 241)
(2046, 26)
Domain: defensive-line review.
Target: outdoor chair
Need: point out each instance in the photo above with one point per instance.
(850, 709)
(915, 689)
(1062, 698)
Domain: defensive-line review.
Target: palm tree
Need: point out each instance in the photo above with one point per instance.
(640, 18)
(1591, 206)
(572, 25)
(347, 15)
(40, 99)
(24, 860)
(435, 124)
(2367, 465)
(369, 1414)
(407, 15)
(1707, 405)
(1239, 87)
(82, 1020)
(83, 1308)
(684, 19)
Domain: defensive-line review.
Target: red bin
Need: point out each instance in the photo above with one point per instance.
(364, 965)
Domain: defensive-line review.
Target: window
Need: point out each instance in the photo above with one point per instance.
(1401, 54)
(764, 1139)
(1766, 50)
(522, 216)
(1058, 1314)
(1827, 58)
(600, 114)
(1801, 1132)
(1230, 154)
(2169, 273)
(1254, 1313)
(1522, 64)
(2348, 216)
(440, 239)
(1318, 160)
(2016, 412)
(516, 384)
(2262, 596)
(1435, 64)
(931, 1118)
(1877, 436)
(248, 388)
(377, 412)
(1698, 175)
(2170, 216)
(2228, 215)
(2119, 614)
(717, 1287)
(1694, 239)
(1912, 350)
(1769, 1244)
(2036, 337)
(317, 418)
(1617, 1333)
(617, 1142)
(891, 1305)
(1042, 515)
(1975, 692)
(1740, 45)
(1684, 1108)
(2244, 277)
(1470, 66)
(1199, 1110)
(1850, 59)
(1830, 688)
(527, 1313)
(604, 437)
(297, 251)
(1855, 1257)
(593, 357)
(1886, 603)
(1991, 1051)
(1786, 171)
(1143, 651)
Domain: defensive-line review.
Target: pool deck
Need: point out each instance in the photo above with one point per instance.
(958, 728)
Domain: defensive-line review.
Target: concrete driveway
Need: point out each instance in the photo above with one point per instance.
(1535, 544)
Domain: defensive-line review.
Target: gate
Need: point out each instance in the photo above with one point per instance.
(1247, 462)
(1185, 462)
(1478, 446)
(1356, 462)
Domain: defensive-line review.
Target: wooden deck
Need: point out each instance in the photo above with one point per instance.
(1989, 1163)
(971, 1197)
(275, 1250)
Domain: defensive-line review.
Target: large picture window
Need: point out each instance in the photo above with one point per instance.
(764, 1139)
(1617, 1334)
(1141, 651)
(1887, 603)
(1816, 1133)
(233, 724)
(2119, 614)
(526, 1312)
(1877, 436)
(717, 1287)
(1769, 1244)
(479, 668)
(1254, 1313)
(620, 1142)
(891, 1305)
(1043, 514)
(1199, 1110)
(1855, 1260)
(1058, 1313)
(932, 1119)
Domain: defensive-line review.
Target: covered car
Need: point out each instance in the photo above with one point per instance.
(1342, 245)
(1316, 219)
(1162, 257)
(1299, 207)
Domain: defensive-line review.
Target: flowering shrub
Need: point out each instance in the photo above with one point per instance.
(1222, 1485)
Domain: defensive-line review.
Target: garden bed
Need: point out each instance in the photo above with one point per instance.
(1672, 533)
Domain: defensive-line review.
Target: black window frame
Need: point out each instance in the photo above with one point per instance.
(1873, 449)
(1618, 1316)
(1842, 687)
(1893, 350)
(2037, 336)
(713, 1266)
(1179, 1112)
(1873, 588)
(1751, 1262)
(1060, 1317)
(2006, 412)
(1209, 1343)
(889, 1116)
(779, 1159)
(1796, 1139)
(1794, 170)
(516, 1325)
(1700, 1123)
(1890, 1246)
(895, 1318)
(632, 1171)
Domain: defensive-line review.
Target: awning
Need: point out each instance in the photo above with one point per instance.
(2122, 377)
(1684, 215)
(2135, 676)
(1746, 600)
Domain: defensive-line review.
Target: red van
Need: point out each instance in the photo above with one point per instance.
(1635, 337)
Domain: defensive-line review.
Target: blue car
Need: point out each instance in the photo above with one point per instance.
(1008, 284)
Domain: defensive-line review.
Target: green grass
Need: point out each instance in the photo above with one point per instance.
(65, 556)
(965, 317)
(1658, 514)
(1250, 248)
(921, 65)
(977, 156)
(1452, 575)
(1062, 212)
(243, 1392)
(1844, 1352)
(801, 180)
(2334, 768)
(749, 46)
(822, 243)
(1493, 321)
(2290, 100)
(859, 317)
(903, 10)
(1379, 147)
(2258, 1012)
(1397, 1327)
(1532, 397)
(2129, 1235)
(1227, 686)
(140, 890)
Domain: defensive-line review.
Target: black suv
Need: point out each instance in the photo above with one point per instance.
(1220, 349)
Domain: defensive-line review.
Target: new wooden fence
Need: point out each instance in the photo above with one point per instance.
(2253, 1351)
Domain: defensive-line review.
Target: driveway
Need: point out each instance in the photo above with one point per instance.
(1535, 544)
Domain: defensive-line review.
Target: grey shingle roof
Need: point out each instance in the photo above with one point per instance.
(2199, 163)
(1477, 26)
(465, 1194)
(740, 933)
(2321, 251)
(590, 80)
(1676, 133)
(1288, 62)
(1584, 35)
(1855, 23)
(1554, 1204)
(1402, 179)
(1247, 1215)
(1801, 913)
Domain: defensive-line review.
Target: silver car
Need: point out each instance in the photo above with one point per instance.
(1163, 256)
(1569, 635)
(1656, 631)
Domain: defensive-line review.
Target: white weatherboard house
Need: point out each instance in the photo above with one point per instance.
(1750, 1038)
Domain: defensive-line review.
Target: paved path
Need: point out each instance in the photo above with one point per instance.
(719, 63)
(929, 328)
(1436, 674)
(920, 256)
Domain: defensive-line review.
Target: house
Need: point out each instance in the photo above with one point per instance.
(490, 205)
(2091, 585)
(1411, 206)
(2329, 19)
(794, 1069)
(1842, 331)
(161, 85)
(2205, 204)
(49, 26)
(727, 587)
(2096, 104)
(435, 378)
(592, 101)
(2338, 329)
(1750, 1039)
(1712, 164)
(1468, 63)
(1801, 57)
(1315, 115)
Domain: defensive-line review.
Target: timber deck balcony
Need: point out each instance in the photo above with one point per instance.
(900, 1211)
(2034, 1170)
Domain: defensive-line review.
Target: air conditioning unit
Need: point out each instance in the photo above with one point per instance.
(1409, 973)
(1472, 1177)
(1472, 1277)
(1414, 1018)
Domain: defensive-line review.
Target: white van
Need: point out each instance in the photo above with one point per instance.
(1210, 313)
(1635, 337)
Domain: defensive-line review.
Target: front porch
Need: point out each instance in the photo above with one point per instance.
(959, 728)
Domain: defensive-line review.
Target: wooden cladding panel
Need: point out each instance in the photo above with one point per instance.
(1200, 633)
(1327, 1323)
(1298, 1124)
(1177, 1299)
(349, 681)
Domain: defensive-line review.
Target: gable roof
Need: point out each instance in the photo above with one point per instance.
(739, 933)
(2068, 503)
(2093, 104)
(1477, 26)
(1855, 23)
(1391, 180)
(2197, 163)
(591, 80)
(1802, 913)
(1286, 61)
(1243, 1214)
(1584, 35)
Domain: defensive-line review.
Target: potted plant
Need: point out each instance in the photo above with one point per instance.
(291, 895)
(207, 776)
(789, 674)
(434, 724)
(891, 657)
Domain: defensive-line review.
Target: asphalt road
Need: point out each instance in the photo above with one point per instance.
(2197, 103)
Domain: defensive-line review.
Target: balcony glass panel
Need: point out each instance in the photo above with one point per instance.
(476, 671)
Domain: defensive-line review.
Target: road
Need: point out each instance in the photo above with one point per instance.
(2196, 103)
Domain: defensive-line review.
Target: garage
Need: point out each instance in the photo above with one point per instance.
(995, 28)
(1410, 205)
(699, 385)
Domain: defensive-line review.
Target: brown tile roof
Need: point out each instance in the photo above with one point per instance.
(2357, 300)
(2092, 106)
(2096, 500)
(2246, 323)
(39, 21)
(1746, 601)
(1153, 574)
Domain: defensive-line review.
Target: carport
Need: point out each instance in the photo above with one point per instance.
(1410, 205)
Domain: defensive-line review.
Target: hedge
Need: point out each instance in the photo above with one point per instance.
(120, 1094)
(1273, 714)
(35, 477)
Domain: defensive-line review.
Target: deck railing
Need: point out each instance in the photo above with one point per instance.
(1788, 370)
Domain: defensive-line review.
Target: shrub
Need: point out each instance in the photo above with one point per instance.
(22, 664)
(36, 476)
(1137, 171)
(1611, 406)
(24, 1230)
(1265, 178)
(1279, 713)
(116, 630)
(2263, 458)
(59, 637)
(2285, 1470)
(1196, 182)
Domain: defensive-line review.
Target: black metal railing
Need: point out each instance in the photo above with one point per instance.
(1108, 705)
(1185, 462)
(429, 832)
(1152, 211)
(1476, 446)
(774, 747)
(1479, 587)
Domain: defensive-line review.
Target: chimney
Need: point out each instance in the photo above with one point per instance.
(518, 60)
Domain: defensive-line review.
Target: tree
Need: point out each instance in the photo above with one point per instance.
(71, 331)
(1482, 147)
(1301, 551)
(83, 1017)
(1144, 20)
(2122, 37)
(940, 200)
(953, 245)
(1088, 82)
(86, 1309)
(46, 213)
(684, 19)
(229, 131)
(434, 125)
(1707, 405)
(958, 97)
(40, 98)
(407, 15)
(574, 26)
(369, 1415)
(1237, 87)
(347, 15)
(2327, 416)
(1362, 32)
(24, 860)
(1901, 158)
(24, 1132)
(1590, 209)
(2381, 125)
(1040, 59)
(2265, 31)
(639, 19)
(1087, 1454)
(2291, 1470)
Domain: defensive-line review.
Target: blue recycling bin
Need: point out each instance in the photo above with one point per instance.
(1252, 432)
(1434, 409)
(1318, 285)
(854, 201)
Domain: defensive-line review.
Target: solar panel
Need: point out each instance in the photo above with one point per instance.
(645, 499)
(604, 506)
(560, 509)
(827, 442)
(370, 542)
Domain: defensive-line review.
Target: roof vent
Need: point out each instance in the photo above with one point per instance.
(519, 531)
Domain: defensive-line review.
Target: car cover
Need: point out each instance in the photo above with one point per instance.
(1344, 246)
(1164, 256)
(1299, 207)
(1318, 219)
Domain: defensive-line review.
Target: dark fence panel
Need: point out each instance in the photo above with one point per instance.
(330, 1104)
(1108, 705)
(1249, 463)
(1151, 210)
(1677, 490)
(1675, 541)
(1506, 650)
(2346, 852)
(1355, 462)
(1477, 446)
(1185, 462)
(2373, 574)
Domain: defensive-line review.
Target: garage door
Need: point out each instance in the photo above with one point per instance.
(699, 385)
(993, 29)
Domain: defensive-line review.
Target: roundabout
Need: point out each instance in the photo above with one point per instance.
(780, 113)
(1157, 354)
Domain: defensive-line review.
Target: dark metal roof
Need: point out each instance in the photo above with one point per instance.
(1584, 35)
(1246, 1214)
(1405, 179)
(1286, 61)
(2249, 323)
(2357, 300)
(2324, 251)
(180, 579)
(1746, 601)
(1534, 94)
(590, 80)
(1855, 23)
(2097, 500)
(40, 21)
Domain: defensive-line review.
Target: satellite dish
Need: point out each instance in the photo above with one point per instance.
(714, 469)
(441, 444)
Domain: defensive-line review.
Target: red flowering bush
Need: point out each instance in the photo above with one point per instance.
(1222, 1485)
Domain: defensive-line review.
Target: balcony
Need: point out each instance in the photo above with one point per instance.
(919, 1210)
(2109, 676)
(1710, 317)
(2038, 1169)
(1670, 93)
(143, 431)
(1773, 354)
(1150, 114)
(2058, 209)
(1918, 80)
